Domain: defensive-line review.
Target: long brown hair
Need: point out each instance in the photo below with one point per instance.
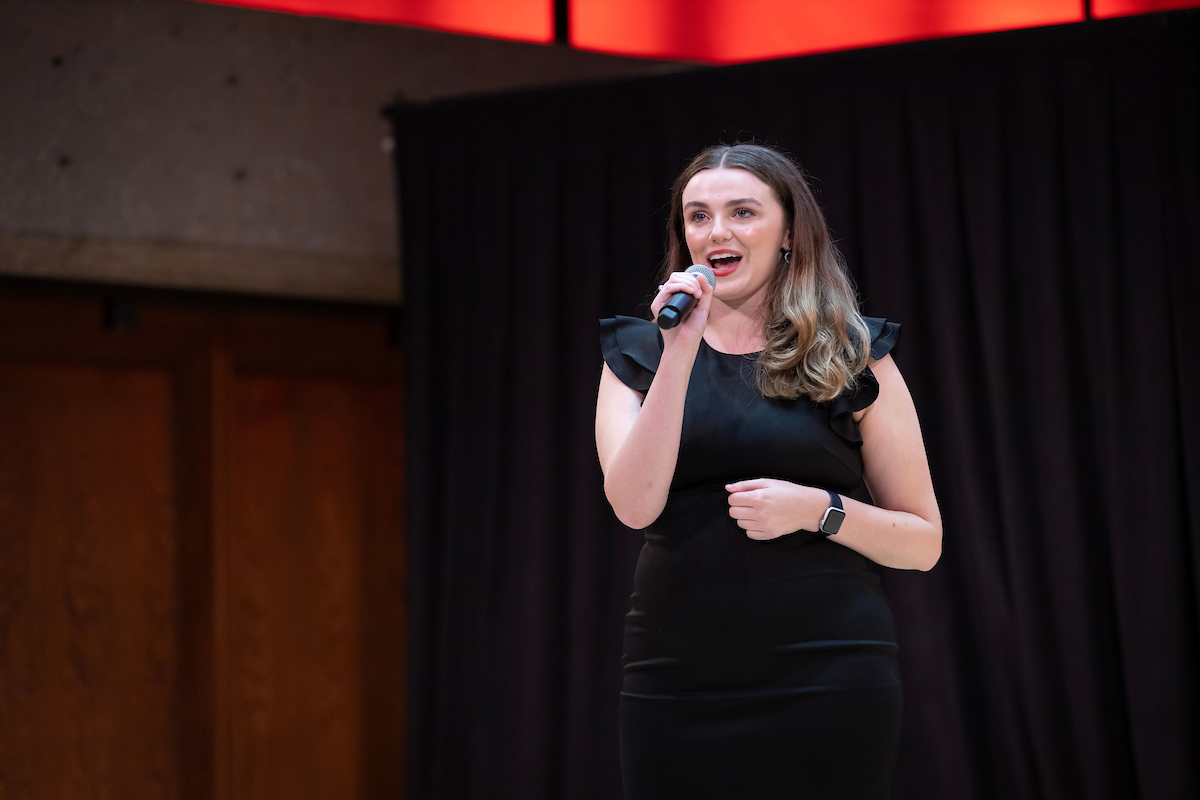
(816, 340)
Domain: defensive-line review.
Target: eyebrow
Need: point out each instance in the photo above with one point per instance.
(741, 201)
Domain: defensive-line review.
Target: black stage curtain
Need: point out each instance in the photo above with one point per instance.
(1026, 204)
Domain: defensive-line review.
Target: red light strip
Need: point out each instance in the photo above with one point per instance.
(721, 32)
(518, 20)
(1127, 8)
(718, 31)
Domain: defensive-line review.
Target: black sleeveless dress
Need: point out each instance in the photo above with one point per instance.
(754, 670)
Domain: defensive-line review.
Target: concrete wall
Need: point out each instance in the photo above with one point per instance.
(179, 143)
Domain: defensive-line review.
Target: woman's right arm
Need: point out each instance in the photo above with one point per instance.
(638, 439)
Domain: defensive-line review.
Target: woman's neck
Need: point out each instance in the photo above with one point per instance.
(734, 330)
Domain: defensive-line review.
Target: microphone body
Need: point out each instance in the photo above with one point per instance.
(682, 303)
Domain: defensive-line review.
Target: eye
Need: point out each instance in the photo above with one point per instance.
(744, 213)
(698, 216)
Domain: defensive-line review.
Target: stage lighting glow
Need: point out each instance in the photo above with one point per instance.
(520, 20)
(720, 32)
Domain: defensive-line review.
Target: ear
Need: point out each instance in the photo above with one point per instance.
(787, 239)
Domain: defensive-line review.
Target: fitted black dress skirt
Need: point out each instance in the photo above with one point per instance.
(754, 670)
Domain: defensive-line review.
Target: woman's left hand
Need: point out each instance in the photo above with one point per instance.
(767, 508)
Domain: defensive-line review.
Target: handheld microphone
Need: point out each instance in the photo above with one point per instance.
(681, 303)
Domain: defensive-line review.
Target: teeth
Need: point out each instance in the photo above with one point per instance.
(724, 257)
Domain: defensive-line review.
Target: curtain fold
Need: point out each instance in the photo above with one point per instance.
(1026, 204)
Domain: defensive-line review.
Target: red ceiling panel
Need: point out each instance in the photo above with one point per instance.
(1125, 8)
(725, 32)
(522, 20)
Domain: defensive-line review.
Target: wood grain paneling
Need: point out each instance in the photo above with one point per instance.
(201, 551)
(316, 602)
(88, 637)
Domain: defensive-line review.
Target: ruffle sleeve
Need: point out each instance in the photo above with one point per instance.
(632, 348)
(885, 338)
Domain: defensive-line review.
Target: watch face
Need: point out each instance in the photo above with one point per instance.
(832, 522)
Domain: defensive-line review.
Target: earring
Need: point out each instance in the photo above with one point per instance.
(787, 256)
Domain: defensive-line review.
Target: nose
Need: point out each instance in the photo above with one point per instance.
(719, 233)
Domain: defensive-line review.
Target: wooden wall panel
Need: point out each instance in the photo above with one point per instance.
(89, 662)
(315, 575)
(201, 550)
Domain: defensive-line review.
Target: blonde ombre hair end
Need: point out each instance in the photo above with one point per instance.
(816, 340)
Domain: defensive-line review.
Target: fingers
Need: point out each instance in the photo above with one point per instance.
(748, 520)
(745, 500)
(747, 486)
(754, 531)
(683, 282)
(747, 509)
(676, 282)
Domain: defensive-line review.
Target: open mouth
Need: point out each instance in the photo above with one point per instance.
(724, 263)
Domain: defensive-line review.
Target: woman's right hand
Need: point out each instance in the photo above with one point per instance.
(691, 329)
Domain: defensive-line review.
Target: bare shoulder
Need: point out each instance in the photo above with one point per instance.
(893, 391)
(614, 393)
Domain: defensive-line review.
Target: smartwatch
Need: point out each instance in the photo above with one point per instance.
(831, 523)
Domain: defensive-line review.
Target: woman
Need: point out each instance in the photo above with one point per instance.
(760, 651)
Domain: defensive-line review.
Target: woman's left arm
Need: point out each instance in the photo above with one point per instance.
(903, 530)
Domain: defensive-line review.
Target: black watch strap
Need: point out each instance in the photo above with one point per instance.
(831, 523)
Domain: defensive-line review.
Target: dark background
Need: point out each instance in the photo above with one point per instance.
(1025, 204)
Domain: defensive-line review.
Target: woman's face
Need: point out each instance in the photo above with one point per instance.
(734, 223)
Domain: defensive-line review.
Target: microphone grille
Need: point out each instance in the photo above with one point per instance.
(702, 269)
